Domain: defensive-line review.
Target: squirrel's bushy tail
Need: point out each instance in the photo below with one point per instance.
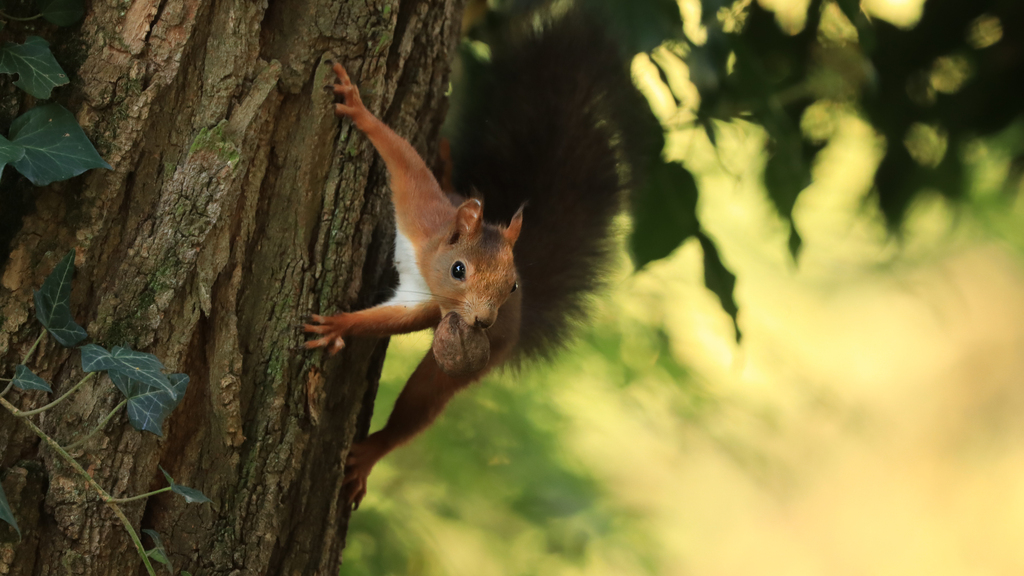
(549, 121)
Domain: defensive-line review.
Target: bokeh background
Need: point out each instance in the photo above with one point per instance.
(868, 422)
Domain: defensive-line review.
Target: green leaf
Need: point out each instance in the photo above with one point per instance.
(709, 130)
(851, 8)
(158, 555)
(795, 241)
(56, 148)
(6, 514)
(158, 552)
(38, 71)
(191, 494)
(786, 174)
(149, 406)
(719, 279)
(897, 180)
(139, 366)
(95, 358)
(53, 304)
(664, 212)
(25, 379)
(640, 25)
(61, 12)
(9, 153)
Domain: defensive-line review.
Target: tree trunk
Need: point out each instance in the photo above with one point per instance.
(237, 205)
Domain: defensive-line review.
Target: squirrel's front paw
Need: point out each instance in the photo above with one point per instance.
(344, 87)
(333, 330)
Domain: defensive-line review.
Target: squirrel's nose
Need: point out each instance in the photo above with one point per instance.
(483, 323)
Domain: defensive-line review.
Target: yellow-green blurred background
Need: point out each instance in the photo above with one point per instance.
(871, 421)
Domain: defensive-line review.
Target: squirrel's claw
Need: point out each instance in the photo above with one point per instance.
(318, 343)
(334, 344)
(341, 73)
(316, 328)
(354, 485)
(343, 86)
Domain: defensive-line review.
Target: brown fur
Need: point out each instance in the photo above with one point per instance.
(551, 121)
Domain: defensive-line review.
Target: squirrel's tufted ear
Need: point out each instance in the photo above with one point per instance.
(512, 232)
(468, 220)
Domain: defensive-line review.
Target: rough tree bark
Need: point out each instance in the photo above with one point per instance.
(237, 205)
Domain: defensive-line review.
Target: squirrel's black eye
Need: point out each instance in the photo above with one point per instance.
(515, 286)
(459, 270)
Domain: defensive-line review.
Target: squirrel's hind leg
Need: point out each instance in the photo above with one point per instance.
(422, 400)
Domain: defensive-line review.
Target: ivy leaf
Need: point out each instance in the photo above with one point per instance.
(56, 148)
(149, 406)
(38, 71)
(139, 366)
(179, 382)
(158, 552)
(6, 514)
(95, 358)
(25, 379)
(719, 279)
(53, 303)
(191, 494)
(9, 153)
(61, 12)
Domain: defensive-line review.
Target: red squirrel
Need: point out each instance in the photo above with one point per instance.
(539, 133)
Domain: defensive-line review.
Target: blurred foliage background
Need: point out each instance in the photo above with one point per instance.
(846, 179)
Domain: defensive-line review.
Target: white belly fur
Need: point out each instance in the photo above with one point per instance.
(412, 289)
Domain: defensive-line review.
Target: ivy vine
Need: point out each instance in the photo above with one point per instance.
(150, 396)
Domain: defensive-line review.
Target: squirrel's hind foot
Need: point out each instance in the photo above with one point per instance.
(362, 456)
